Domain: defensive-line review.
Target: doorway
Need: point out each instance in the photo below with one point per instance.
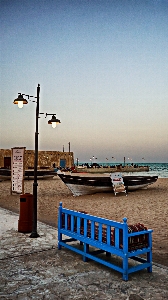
(7, 162)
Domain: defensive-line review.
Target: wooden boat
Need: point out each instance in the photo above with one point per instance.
(84, 184)
(5, 174)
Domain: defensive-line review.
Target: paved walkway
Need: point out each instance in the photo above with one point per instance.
(36, 269)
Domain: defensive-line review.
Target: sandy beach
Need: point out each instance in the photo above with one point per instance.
(147, 206)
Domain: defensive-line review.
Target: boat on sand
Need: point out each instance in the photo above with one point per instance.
(83, 183)
(5, 174)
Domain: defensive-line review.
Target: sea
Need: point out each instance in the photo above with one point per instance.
(155, 169)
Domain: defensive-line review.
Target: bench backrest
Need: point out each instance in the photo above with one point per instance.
(116, 234)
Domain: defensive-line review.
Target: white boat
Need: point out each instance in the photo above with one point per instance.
(84, 184)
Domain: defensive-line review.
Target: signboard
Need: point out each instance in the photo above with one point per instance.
(17, 170)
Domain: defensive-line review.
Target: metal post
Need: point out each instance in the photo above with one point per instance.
(34, 233)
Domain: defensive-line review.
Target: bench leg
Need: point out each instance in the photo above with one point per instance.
(86, 250)
(149, 254)
(59, 239)
(125, 267)
(149, 260)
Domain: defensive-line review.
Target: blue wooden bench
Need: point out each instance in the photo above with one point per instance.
(103, 235)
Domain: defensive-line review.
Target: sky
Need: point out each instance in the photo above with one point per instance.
(102, 67)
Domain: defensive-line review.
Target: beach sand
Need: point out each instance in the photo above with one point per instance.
(147, 206)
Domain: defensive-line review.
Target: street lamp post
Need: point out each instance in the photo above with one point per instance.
(20, 101)
(34, 233)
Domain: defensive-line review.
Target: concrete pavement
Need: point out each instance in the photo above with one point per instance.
(36, 269)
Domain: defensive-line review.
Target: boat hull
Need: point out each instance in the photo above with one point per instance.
(85, 185)
(5, 174)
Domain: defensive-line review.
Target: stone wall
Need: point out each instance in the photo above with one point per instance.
(46, 159)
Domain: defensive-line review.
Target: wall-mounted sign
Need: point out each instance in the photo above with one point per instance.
(17, 170)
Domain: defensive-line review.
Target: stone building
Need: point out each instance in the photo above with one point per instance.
(46, 159)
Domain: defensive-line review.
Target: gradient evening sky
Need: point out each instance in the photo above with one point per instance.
(103, 69)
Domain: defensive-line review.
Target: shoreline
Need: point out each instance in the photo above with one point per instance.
(147, 206)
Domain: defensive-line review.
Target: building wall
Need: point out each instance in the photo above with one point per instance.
(46, 159)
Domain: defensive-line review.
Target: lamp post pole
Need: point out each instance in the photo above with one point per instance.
(54, 121)
(34, 233)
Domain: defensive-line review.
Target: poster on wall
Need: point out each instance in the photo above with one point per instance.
(17, 170)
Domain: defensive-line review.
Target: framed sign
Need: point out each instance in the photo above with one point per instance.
(17, 170)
